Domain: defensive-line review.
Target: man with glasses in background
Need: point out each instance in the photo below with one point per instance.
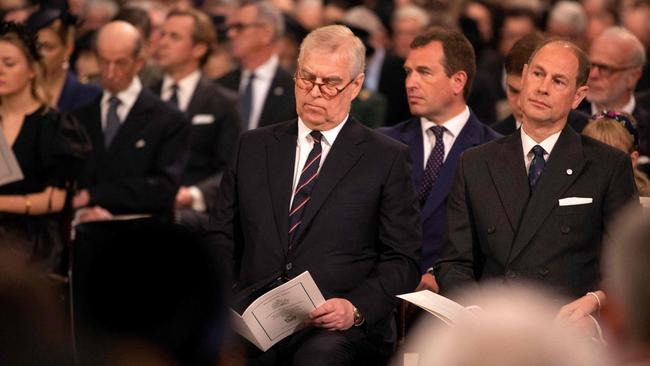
(617, 58)
(265, 89)
(325, 194)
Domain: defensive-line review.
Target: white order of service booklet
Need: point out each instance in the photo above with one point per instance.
(9, 169)
(439, 306)
(278, 313)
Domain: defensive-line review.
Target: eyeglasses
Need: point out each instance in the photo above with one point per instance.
(327, 90)
(239, 27)
(608, 70)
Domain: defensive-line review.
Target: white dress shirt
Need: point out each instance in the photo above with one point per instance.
(452, 128)
(186, 88)
(264, 75)
(127, 99)
(304, 145)
(528, 143)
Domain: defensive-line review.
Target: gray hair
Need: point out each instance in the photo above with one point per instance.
(571, 14)
(638, 55)
(336, 40)
(109, 6)
(364, 18)
(412, 12)
(269, 14)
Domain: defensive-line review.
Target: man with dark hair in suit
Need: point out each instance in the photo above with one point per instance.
(535, 205)
(439, 68)
(265, 89)
(324, 193)
(139, 142)
(514, 63)
(184, 46)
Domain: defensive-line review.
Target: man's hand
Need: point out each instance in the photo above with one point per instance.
(576, 310)
(334, 314)
(94, 213)
(81, 199)
(428, 282)
(184, 198)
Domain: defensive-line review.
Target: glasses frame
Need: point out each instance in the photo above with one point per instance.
(609, 70)
(320, 85)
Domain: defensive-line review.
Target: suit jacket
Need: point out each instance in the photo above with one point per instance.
(141, 170)
(280, 102)
(392, 85)
(360, 233)
(75, 95)
(434, 214)
(496, 231)
(577, 120)
(641, 113)
(213, 136)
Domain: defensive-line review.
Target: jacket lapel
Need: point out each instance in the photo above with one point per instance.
(200, 97)
(563, 167)
(134, 121)
(412, 136)
(281, 155)
(343, 155)
(508, 172)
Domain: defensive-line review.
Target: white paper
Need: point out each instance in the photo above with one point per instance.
(203, 119)
(9, 169)
(573, 201)
(439, 306)
(278, 313)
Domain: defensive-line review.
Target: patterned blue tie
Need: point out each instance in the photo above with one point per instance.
(305, 185)
(434, 163)
(536, 166)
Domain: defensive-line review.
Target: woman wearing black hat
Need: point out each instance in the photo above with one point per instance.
(49, 146)
(55, 27)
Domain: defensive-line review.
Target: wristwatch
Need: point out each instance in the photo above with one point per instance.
(358, 318)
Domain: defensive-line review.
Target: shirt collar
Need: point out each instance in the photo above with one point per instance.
(454, 125)
(528, 143)
(127, 96)
(185, 85)
(265, 71)
(328, 136)
(627, 108)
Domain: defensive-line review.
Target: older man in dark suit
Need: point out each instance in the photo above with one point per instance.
(139, 142)
(265, 88)
(534, 206)
(440, 68)
(324, 193)
(184, 45)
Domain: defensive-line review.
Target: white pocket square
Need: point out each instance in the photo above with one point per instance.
(203, 119)
(573, 201)
(140, 144)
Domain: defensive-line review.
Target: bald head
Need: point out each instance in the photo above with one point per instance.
(119, 48)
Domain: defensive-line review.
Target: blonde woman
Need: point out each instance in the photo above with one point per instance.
(50, 148)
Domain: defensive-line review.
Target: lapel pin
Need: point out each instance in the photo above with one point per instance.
(140, 144)
(278, 91)
(569, 171)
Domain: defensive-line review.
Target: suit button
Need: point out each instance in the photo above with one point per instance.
(288, 266)
(543, 272)
(491, 229)
(565, 229)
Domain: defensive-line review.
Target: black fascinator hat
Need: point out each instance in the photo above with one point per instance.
(49, 12)
(27, 37)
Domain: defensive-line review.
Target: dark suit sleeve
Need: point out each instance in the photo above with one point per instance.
(621, 191)
(397, 267)
(155, 191)
(459, 254)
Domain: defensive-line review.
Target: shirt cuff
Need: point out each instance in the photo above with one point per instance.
(198, 203)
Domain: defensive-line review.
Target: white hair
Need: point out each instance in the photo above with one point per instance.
(638, 54)
(570, 13)
(411, 11)
(364, 18)
(336, 40)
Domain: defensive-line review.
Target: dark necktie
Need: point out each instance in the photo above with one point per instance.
(112, 121)
(536, 166)
(305, 185)
(246, 103)
(434, 163)
(173, 100)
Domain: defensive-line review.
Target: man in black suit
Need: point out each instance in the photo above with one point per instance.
(265, 89)
(324, 193)
(545, 226)
(617, 58)
(139, 142)
(437, 96)
(514, 63)
(184, 45)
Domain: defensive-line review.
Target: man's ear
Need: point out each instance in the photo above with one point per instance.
(458, 82)
(357, 85)
(581, 93)
(199, 50)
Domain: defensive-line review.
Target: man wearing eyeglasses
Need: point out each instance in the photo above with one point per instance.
(324, 194)
(265, 89)
(617, 58)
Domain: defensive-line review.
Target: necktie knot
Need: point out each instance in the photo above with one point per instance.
(536, 166)
(438, 131)
(114, 101)
(317, 136)
(538, 151)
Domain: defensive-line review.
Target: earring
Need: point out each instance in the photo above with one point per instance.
(66, 65)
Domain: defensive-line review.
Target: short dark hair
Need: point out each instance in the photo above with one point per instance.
(203, 30)
(458, 52)
(583, 60)
(520, 53)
